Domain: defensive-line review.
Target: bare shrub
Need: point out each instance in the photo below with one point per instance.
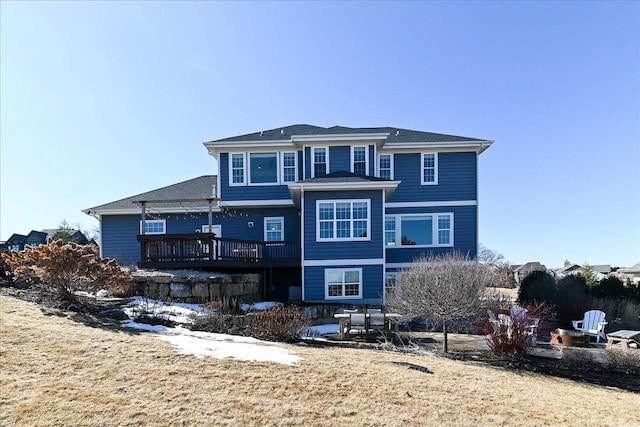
(286, 324)
(624, 360)
(448, 288)
(510, 340)
(225, 305)
(68, 267)
(578, 359)
(214, 321)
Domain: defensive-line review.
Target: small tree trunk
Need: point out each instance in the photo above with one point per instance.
(446, 338)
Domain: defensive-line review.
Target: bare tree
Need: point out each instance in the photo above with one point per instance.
(498, 266)
(447, 288)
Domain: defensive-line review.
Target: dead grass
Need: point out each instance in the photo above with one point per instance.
(58, 372)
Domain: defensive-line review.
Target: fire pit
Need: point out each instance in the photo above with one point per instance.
(567, 337)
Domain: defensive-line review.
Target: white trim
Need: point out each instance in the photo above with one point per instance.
(244, 170)
(136, 211)
(248, 169)
(343, 271)
(302, 234)
(331, 186)
(261, 203)
(399, 265)
(479, 146)
(313, 160)
(342, 262)
(384, 252)
(213, 146)
(295, 166)
(205, 229)
(366, 158)
(390, 164)
(435, 169)
(281, 219)
(434, 230)
(154, 221)
(445, 203)
(351, 220)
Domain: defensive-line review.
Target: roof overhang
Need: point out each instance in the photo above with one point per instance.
(478, 146)
(298, 188)
(347, 137)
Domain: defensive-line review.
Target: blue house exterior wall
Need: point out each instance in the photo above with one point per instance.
(372, 288)
(369, 249)
(339, 158)
(457, 178)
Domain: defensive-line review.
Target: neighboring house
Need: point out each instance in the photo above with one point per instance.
(632, 273)
(569, 268)
(334, 212)
(14, 243)
(522, 271)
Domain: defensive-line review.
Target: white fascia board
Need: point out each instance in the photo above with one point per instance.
(342, 262)
(215, 146)
(337, 186)
(373, 137)
(478, 146)
(257, 203)
(155, 210)
(445, 203)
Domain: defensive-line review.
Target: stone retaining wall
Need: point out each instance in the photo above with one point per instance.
(198, 287)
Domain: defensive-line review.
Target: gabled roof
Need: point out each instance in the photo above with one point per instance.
(531, 266)
(191, 194)
(391, 135)
(15, 239)
(36, 237)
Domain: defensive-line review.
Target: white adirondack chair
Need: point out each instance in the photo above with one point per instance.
(592, 324)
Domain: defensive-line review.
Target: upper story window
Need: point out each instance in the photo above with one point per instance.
(429, 169)
(154, 226)
(237, 169)
(320, 163)
(342, 220)
(359, 160)
(263, 168)
(419, 230)
(274, 229)
(289, 170)
(385, 166)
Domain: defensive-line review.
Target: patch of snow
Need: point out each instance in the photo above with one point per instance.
(144, 327)
(260, 306)
(176, 312)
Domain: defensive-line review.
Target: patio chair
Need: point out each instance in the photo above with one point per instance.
(357, 322)
(493, 321)
(348, 321)
(592, 324)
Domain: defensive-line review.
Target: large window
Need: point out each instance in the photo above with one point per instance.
(390, 284)
(274, 229)
(154, 226)
(419, 230)
(236, 168)
(343, 283)
(320, 163)
(385, 166)
(429, 169)
(263, 168)
(342, 220)
(359, 160)
(289, 171)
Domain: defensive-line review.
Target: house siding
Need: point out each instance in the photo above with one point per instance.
(247, 192)
(339, 158)
(372, 284)
(369, 249)
(457, 176)
(120, 231)
(465, 238)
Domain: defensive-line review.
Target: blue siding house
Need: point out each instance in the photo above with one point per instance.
(331, 213)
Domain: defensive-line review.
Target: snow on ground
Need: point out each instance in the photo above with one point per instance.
(259, 306)
(201, 344)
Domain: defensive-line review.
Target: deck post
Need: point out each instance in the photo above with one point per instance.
(210, 215)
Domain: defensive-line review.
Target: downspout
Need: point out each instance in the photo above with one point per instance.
(302, 236)
(144, 216)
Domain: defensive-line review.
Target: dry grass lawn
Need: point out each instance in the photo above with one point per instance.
(56, 371)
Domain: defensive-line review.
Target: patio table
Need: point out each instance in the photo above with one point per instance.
(390, 319)
(624, 336)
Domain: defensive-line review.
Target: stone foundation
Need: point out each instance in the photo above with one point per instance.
(196, 287)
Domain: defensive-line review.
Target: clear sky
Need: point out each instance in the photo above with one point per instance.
(104, 100)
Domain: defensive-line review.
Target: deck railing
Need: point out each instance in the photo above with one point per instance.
(205, 249)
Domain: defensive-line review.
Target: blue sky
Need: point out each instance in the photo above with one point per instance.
(104, 100)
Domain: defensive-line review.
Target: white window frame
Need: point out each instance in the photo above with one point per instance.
(435, 168)
(378, 170)
(396, 275)
(205, 229)
(313, 160)
(244, 170)
(248, 169)
(366, 158)
(395, 230)
(276, 218)
(282, 166)
(335, 221)
(154, 221)
(327, 271)
(434, 232)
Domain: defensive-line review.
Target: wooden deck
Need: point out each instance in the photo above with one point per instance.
(204, 250)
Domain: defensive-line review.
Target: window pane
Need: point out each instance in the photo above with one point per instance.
(443, 237)
(360, 210)
(351, 276)
(417, 230)
(326, 211)
(335, 290)
(343, 210)
(429, 168)
(289, 167)
(264, 168)
(237, 168)
(360, 229)
(289, 159)
(319, 161)
(326, 230)
(334, 277)
(343, 229)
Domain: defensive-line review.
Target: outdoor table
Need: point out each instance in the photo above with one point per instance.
(390, 318)
(623, 336)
